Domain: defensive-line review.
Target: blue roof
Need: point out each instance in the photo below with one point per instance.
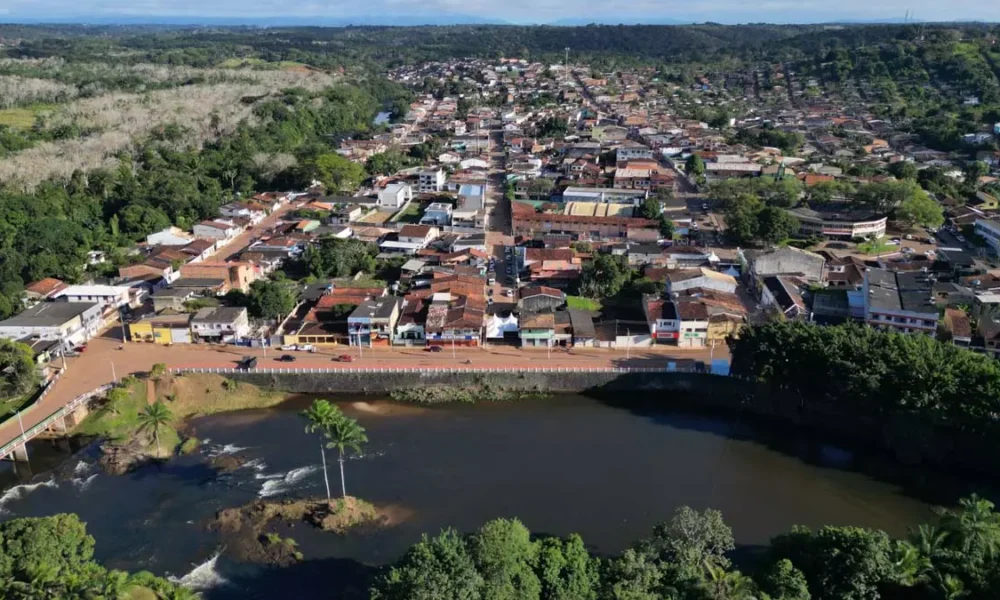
(469, 189)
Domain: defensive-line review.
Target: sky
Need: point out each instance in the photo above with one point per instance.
(512, 11)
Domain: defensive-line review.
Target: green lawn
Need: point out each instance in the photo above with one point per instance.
(876, 246)
(9, 409)
(124, 425)
(23, 117)
(414, 211)
(581, 303)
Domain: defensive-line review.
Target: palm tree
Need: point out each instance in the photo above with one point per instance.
(346, 435)
(322, 415)
(929, 540)
(952, 588)
(155, 417)
(974, 527)
(909, 565)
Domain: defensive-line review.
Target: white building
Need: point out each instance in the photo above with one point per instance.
(431, 181)
(221, 323)
(901, 301)
(71, 323)
(437, 213)
(218, 229)
(108, 296)
(394, 196)
(989, 230)
(636, 152)
(171, 236)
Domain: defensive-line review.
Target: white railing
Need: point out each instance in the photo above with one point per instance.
(423, 370)
(33, 431)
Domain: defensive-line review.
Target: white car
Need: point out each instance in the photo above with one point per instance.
(288, 347)
(307, 348)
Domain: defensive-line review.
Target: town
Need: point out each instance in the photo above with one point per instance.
(751, 269)
(553, 207)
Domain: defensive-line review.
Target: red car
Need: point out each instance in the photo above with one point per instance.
(81, 349)
(345, 358)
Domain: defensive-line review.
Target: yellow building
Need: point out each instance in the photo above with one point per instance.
(162, 329)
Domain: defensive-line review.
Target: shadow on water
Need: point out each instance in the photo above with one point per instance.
(691, 410)
(340, 578)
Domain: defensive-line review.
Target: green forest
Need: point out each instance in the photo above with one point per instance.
(871, 372)
(688, 558)
(48, 231)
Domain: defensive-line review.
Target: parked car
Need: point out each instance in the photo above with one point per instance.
(307, 348)
(289, 347)
(248, 362)
(434, 348)
(286, 358)
(345, 358)
(509, 293)
(81, 348)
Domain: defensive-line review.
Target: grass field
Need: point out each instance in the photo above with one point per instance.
(581, 303)
(9, 409)
(414, 211)
(23, 117)
(187, 396)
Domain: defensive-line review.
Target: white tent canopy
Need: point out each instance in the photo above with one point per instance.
(497, 326)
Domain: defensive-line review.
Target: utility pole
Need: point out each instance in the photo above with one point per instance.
(453, 345)
(114, 377)
(121, 320)
(628, 344)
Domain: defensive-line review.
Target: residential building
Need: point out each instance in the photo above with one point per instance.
(171, 298)
(455, 320)
(108, 296)
(220, 324)
(834, 221)
(235, 275)
(989, 230)
(171, 236)
(410, 239)
(251, 211)
(470, 210)
(686, 279)
(373, 322)
(661, 317)
(394, 196)
(901, 301)
(692, 323)
(437, 213)
(43, 289)
(537, 329)
(70, 323)
(217, 229)
(432, 181)
(536, 298)
(781, 295)
(633, 152)
(410, 326)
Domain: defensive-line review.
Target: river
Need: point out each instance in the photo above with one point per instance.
(564, 464)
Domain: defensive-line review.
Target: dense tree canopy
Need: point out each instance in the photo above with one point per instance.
(873, 372)
(687, 558)
(52, 557)
(18, 373)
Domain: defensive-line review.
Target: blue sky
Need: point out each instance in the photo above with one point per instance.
(520, 11)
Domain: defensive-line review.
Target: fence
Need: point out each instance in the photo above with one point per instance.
(30, 433)
(670, 368)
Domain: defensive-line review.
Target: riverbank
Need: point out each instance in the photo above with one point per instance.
(128, 443)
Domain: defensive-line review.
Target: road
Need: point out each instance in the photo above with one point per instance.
(235, 246)
(103, 360)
